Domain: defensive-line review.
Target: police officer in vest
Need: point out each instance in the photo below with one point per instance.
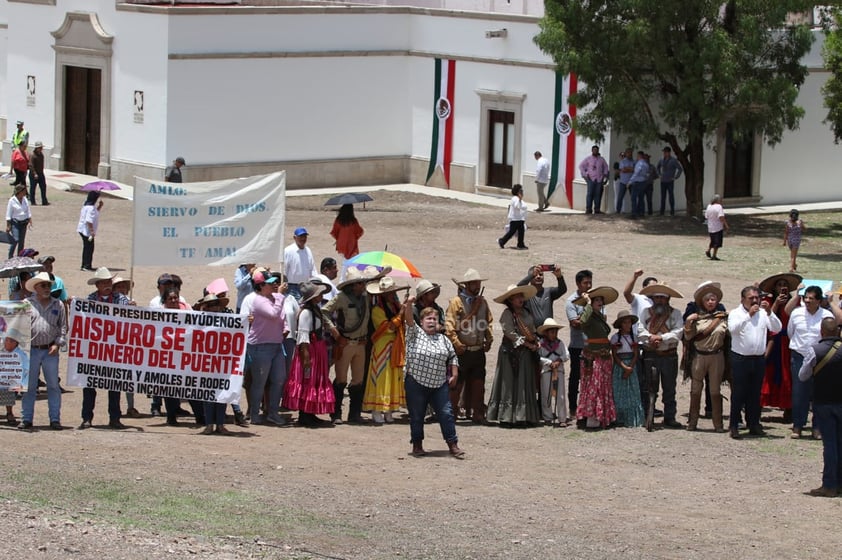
(823, 363)
(21, 136)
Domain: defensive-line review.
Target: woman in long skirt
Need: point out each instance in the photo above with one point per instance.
(596, 398)
(626, 388)
(384, 388)
(513, 400)
(309, 390)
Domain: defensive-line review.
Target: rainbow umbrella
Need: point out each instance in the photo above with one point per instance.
(401, 267)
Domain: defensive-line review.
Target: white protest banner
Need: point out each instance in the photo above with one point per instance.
(163, 352)
(15, 322)
(226, 222)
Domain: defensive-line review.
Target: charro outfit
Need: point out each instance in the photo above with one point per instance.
(705, 339)
(349, 314)
(513, 393)
(596, 399)
(469, 331)
(664, 357)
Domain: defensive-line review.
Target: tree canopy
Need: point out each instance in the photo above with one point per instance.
(678, 71)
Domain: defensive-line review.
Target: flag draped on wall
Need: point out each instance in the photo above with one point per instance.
(564, 137)
(442, 149)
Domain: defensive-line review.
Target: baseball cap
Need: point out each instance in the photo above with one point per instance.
(300, 231)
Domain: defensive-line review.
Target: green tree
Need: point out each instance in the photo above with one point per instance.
(832, 89)
(677, 71)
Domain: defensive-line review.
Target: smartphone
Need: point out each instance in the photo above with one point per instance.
(547, 267)
(785, 290)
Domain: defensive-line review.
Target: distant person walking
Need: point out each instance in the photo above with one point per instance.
(542, 178)
(20, 163)
(795, 228)
(18, 219)
(87, 227)
(346, 231)
(173, 172)
(517, 219)
(717, 226)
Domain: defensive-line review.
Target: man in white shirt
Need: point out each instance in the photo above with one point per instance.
(638, 302)
(329, 273)
(542, 178)
(299, 264)
(804, 330)
(717, 226)
(749, 323)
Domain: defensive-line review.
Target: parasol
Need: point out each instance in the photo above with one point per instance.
(14, 266)
(401, 267)
(101, 186)
(348, 198)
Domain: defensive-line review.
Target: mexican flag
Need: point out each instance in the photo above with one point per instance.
(441, 152)
(563, 167)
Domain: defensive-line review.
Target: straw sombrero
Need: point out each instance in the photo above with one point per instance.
(607, 293)
(792, 281)
(528, 291)
(471, 275)
(385, 285)
(659, 289)
(704, 289)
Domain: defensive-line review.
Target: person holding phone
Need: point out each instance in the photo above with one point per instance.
(541, 304)
(776, 391)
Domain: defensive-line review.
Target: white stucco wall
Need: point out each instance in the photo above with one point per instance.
(276, 109)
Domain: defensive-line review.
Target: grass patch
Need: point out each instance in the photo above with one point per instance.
(787, 448)
(141, 504)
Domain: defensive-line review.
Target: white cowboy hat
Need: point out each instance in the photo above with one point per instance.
(102, 273)
(549, 324)
(119, 280)
(384, 285)
(471, 275)
(704, 289)
(528, 291)
(37, 279)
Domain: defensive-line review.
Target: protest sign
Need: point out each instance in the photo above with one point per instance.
(163, 352)
(226, 222)
(15, 323)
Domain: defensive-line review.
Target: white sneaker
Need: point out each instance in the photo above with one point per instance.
(388, 417)
(377, 417)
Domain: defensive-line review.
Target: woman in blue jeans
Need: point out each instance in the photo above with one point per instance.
(18, 219)
(430, 372)
(265, 337)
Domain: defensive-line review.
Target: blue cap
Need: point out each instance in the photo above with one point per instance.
(300, 231)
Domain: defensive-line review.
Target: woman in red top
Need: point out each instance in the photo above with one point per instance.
(346, 231)
(20, 164)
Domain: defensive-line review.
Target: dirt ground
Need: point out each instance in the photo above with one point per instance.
(354, 492)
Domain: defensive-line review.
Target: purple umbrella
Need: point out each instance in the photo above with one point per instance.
(101, 186)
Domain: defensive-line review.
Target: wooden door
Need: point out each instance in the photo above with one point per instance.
(739, 156)
(82, 108)
(501, 146)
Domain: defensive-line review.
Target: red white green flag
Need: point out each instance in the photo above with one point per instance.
(441, 152)
(563, 167)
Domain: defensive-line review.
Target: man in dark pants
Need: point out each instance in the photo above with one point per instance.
(749, 324)
(104, 293)
(824, 364)
(36, 174)
(584, 282)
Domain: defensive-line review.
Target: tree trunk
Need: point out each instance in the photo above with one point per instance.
(694, 179)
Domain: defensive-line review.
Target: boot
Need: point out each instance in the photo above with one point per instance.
(477, 391)
(338, 394)
(454, 450)
(716, 404)
(240, 418)
(695, 405)
(355, 404)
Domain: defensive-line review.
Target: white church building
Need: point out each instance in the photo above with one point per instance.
(336, 94)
